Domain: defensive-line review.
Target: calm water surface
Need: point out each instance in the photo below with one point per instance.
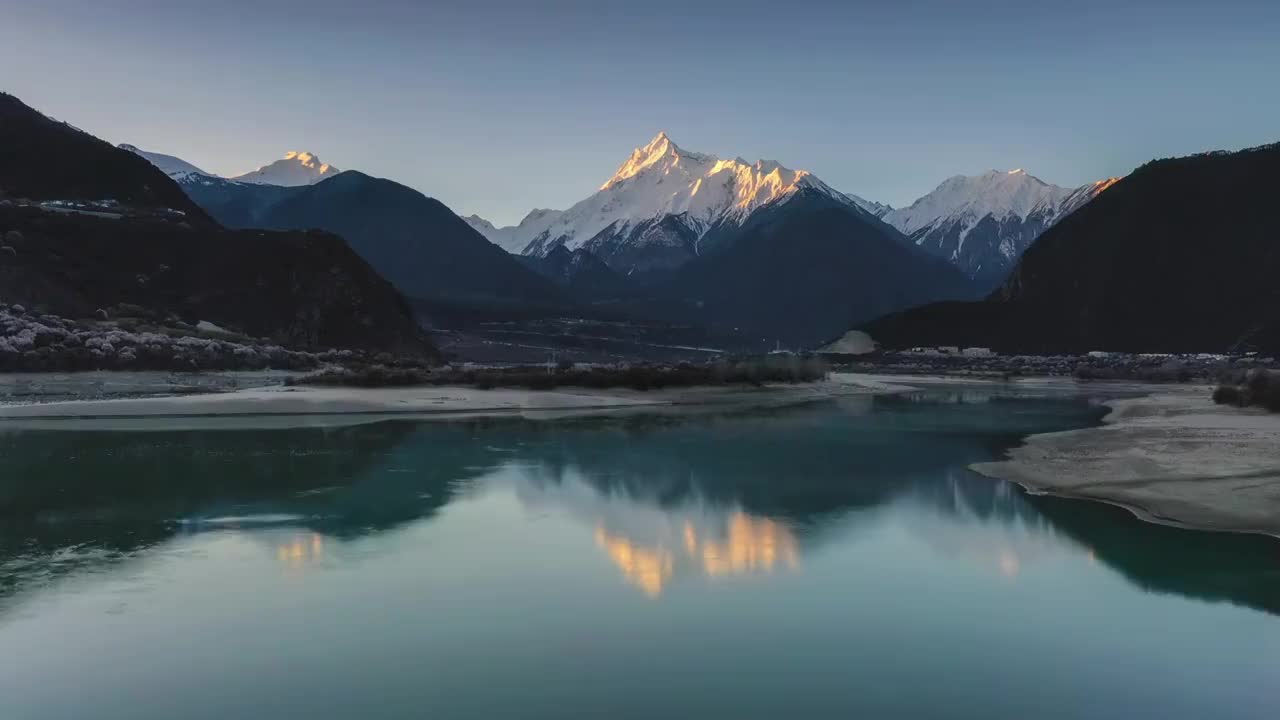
(836, 560)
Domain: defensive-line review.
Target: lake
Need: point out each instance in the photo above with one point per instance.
(830, 560)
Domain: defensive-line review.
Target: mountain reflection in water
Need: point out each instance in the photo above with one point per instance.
(665, 499)
(745, 544)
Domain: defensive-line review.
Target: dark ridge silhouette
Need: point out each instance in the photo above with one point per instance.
(415, 241)
(581, 273)
(806, 270)
(43, 159)
(152, 247)
(1180, 256)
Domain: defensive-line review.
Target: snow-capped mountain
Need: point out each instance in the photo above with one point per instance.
(659, 204)
(983, 223)
(174, 167)
(296, 168)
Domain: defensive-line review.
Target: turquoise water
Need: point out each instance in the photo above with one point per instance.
(835, 560)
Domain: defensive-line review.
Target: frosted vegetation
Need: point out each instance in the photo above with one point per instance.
(33, 342)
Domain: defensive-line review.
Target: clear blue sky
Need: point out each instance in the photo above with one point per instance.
(499, 106)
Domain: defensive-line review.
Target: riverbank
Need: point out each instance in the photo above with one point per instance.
(1171, 457)
(1151, 368)
(279, 406)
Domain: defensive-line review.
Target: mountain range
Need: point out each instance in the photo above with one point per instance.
(663, 203)
(776, 255)
(654, 211)
(630, 247)
(416, 242)
(657, 209)
(301, 253)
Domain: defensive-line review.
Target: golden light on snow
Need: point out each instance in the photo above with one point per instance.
(750, 185)
(1104, 184)
(307, 160)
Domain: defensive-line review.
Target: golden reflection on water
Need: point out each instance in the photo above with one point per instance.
(301, 550)
(750, 544)
(647, 568)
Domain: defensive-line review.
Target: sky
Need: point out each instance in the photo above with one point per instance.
(499, 106)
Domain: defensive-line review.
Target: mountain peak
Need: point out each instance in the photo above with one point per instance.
(999, 193)
(479, 223)
(983, 223)
(305, 159)
(661, 152)
(661, 143)
(1015, 175)
(298, 167)
(657, 181)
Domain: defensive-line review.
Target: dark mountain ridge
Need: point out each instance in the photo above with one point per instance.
(581, 273)
(43, 159)
(1183, 255)
(414, 241)
(150, 246)
(805, 269)
(236, 205)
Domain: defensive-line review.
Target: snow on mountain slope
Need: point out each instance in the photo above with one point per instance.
(661, 196)
(875, 208)
(480, 225)
(174, 167)
(515, 238)
(983, 223)
(994, 193)
(1082, 195)
(296, 168)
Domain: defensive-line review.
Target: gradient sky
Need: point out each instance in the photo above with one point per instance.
(496, 107)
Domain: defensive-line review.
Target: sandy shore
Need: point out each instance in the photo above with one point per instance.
(1172, 457)
(280, 406)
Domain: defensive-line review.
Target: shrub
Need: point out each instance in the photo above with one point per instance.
(1228, 395)
(372, 376)
(642, 377)
(1255, 388)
